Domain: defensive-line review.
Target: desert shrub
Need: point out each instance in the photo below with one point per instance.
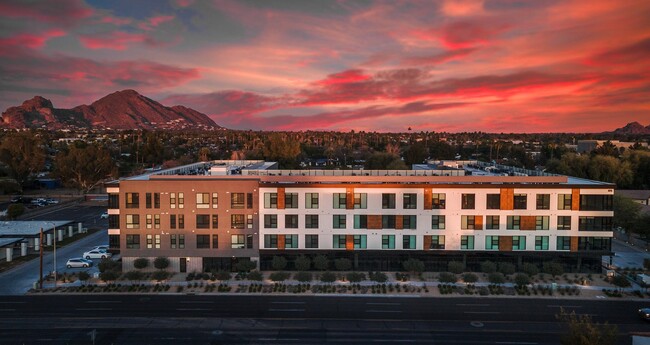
(488, 267)
(456, 267)
(447, 277)
(141, 263)
(470, 278)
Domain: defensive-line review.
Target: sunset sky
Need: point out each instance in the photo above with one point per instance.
(457, 65)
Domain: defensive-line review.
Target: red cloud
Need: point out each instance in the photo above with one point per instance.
(116, 21)
(154, 22)
(345, 77)
(632, 54)
(228, 103)
(438, 58)
(118, 40)
(33, 41)
(61, 11)
(466, 34)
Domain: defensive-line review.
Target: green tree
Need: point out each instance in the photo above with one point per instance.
(279, 263)
(255, 276)
(530, 269)
(553, 268)
(23, 154)
(355, 277)
(620, 281)
(15, 210)
(328, 277)
(447, 277)
(245, 265)
(522, 279)
(133, 275)
(105, 265)
(506, 268)
(581, 330)
(414, 266)
(343, 264)
(84, 276)
(379, 277)
(470, 278)
(488, 267)
(141, 263)
(302, 263)
(416, 154)
(283, 149)
(383, 160)
(108, 276)
(303, 276)
(496, 278)
(626, 212)
(456, 267)
(204, 154)
(161, 262)
(642, 226)
(321, 262)
(84, 167)
(223, 275)
(160, 275)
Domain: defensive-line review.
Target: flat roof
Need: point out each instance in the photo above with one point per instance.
(29, 227)
(9, 240)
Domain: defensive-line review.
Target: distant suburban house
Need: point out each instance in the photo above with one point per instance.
(642, 196)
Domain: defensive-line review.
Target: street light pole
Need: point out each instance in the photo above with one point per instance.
(55, 277)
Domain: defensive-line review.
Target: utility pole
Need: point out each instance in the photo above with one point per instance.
(40, 276)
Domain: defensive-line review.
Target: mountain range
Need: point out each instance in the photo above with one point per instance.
(633, 128)
(125, 109)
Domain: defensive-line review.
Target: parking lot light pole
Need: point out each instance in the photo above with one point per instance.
(55, 274)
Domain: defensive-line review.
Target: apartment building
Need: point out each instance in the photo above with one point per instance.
(375, 218)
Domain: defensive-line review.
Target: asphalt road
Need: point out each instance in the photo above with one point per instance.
(20, 279)
(202, 319)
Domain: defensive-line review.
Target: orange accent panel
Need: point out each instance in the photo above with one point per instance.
(505, 243)
(507, 198)
(427, 242)
(349, 198)
(349, 242)
(374, 221)
(478, 222)
(575, 199)
(527, 223)
(281, 204)
(399, 222)
(281, 244)
(574, 243)
(427, 199)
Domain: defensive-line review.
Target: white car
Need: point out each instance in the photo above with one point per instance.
(97, 254)
(78, 262)
(103, 247)
(104, 215)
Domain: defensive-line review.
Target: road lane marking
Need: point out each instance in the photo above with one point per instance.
(380, 303)
(383, 311)
(286, 309)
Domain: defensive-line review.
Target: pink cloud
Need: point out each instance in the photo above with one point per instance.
(10, 45)
(184, 3)
(62, 11)
(153, 22)
(116, 21)
(117, 40)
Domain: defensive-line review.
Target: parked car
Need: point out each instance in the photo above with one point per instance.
(51, 201)
(103, 247)
(104, 215)
(78, 262)
(644, 313)
(16, 199)
(97, 254)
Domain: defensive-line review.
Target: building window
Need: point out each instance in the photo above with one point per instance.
(291, 241)
(156, 221)
(339, 200)
(181, 241)
(543, 201)
(249, 200)
(215, 241)
(156, 241)
(181, 200)
(133, 241)
(172, 200)
(202, 221)
(520, 202)
(467, 222)
(387, 241)
(518, 242)
(596, 203)
(237, 221)
(149, 221)
(513, 222)
(493, 202)
(249, 221)
(271, 241)
(360, 200)
(237, 241)
(437, 242)
(594, 243)
(360, 221)
(202, 200)
(173, 243)
(408, 242)
(438, 201)
(564, 222)
(202, 241)
(156, 200)
(311, 241)
(492, 242)
(466, 242)
(181, 221)
(215, 200)
(291, 200)
(541, 222)
(388, 200)
(147, 200)
(564, 201)
(172, 221)
(595, 224)
(311, 200)
(388, 221)
(149, 241)
(359, 241)
(270, 200)
(270, 221)
(237, 200)
(541, 242)
(338, 241)
(437, 222)
(311, 221)
(114, 201)
(249, 241)
(410, 222)
(291, 221)
(114, 221)
(132, 200)
(133, 221)
(467, 201)
(338, 221)
(563, 243)
(492, 222)
(215, 221)
(410, 201)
